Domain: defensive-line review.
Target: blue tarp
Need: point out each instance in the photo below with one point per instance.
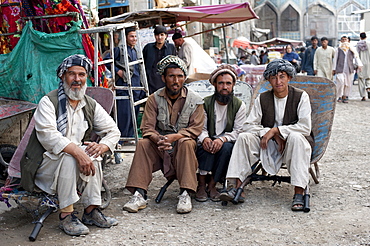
(29, 71)
(105, 4)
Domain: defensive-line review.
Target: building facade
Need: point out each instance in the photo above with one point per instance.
(302, 19)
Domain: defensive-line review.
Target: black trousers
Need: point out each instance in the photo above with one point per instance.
(216, 163)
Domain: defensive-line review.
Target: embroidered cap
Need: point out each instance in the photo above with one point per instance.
(170, 59)
(221, 70)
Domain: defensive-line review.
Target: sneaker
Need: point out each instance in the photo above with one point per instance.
(96, 217)
(136, 203)
(184, 206)
(117, 158)
(72, 226)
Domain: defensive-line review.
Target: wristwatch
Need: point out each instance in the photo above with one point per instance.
(222, 139)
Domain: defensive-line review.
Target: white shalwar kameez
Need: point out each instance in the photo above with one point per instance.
(323, 62)
(59, 172)
(344, 80)
(297, 152)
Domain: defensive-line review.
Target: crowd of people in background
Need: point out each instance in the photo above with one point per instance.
(343, 64)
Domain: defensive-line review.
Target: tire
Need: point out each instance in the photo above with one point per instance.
(106, 195)
(7, 152)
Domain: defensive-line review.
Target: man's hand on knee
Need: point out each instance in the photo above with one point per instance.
(85, 164)
(94, 149)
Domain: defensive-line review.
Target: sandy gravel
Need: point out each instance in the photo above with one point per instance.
(340, 205)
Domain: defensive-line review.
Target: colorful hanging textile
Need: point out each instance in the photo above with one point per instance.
(9, 23)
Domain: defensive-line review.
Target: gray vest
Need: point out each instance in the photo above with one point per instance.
(340, 61)
(33, 154)
(163, 117)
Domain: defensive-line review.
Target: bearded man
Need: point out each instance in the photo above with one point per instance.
(224, 118)
(64, 120)
(173, 119)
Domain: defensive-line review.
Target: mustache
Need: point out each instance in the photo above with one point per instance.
(76, 83)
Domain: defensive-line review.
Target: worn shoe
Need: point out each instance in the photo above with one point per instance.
(96, 217)
(184, 206)
(136, 203)
(72, 225)
(215, 196)
(201, 195)
(229, 195)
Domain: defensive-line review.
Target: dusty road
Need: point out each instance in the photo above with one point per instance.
(340, 205)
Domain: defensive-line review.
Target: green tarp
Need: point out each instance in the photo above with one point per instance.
(29, 71)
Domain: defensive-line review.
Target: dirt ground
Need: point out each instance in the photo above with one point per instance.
(340, 205)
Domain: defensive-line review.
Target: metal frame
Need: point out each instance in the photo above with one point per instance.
(121, 28)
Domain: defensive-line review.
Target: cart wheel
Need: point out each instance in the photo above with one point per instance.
(6, 152)
(224, 203)
(106, 195)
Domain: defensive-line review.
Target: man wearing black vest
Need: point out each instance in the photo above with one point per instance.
(277, 131)
(64, 120)
(224, 118)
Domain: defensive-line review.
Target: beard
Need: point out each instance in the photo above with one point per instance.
(74, 94)
(224, 99)
(172, 92)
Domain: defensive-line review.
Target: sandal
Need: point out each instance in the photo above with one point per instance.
(201, 195)
(298, 200)
(216, 197)
(230, 195)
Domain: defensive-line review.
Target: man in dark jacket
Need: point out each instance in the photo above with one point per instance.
(309, 54)
(153, 53)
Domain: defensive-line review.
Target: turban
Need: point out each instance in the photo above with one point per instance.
(170, 59)
(74, 60)
(70, 61)
(221, 70)
(279, 65)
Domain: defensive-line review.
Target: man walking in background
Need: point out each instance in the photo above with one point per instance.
(307, 62)
(363, 49)
(323, 60)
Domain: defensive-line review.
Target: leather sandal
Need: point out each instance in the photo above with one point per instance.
(298, 200)
(201, 195)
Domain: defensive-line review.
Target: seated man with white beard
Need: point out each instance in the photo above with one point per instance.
(64, 120)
